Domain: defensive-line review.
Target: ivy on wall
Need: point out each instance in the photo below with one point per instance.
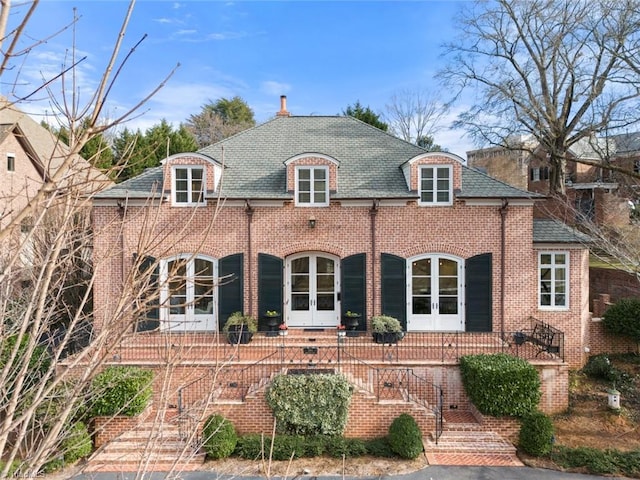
(316, 404)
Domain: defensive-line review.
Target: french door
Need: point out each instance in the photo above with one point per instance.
(434, 293)
(312, 290)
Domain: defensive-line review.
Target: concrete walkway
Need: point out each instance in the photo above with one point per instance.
(427, 473)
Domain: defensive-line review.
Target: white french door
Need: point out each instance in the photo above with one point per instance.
(434, 293)
(312, 288)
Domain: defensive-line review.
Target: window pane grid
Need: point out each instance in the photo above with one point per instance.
(553, 280)
(312, 186)
(188, 185)
(435, 185)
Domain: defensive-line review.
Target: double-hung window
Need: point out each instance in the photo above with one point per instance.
(435, 185)
(553, 280)
(312, 186)
(188, 185)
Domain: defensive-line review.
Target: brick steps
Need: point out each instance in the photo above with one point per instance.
(465, 442)
(147, 448)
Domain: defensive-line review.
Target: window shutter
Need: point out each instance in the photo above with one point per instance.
(479, 308)
(354, 286)
(149, 271)
(231, 288)
(269, 286)
(394, 288)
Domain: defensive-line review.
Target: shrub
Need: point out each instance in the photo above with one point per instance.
(237, 318)
(500, 384)
(379, 447)
(254, 446)
(622, 318)
(310, 404)
(405, 437)
(600, 367)
(349, 447)
(121, 391)
(385, 324)
(75, 445)
(219, 436)
(596, 461)
(39, 361)
(536, 434)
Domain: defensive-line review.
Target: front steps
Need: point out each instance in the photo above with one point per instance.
(147, 448)
(464, 442)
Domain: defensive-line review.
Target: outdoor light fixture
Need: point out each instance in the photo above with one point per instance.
(312, 222)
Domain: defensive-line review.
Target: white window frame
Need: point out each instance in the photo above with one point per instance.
(435, 190)
(187, 321)
(554, 282)
(11, 162)
(190, 191)
(312, 191)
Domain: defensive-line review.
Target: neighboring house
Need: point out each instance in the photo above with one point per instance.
(31, 156)
(315, 216)
(593, 192)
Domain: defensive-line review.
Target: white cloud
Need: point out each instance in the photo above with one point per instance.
(271, 87)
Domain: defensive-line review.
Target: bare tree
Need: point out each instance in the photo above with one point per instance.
(558, 70)
(415, 115)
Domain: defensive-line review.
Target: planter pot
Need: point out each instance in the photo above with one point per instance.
(238, 334)
(351, 322)
(341, 333)
(284, 332)
(387, 337)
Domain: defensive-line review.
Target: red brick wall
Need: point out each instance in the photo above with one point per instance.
(615, 283)
(601, 341)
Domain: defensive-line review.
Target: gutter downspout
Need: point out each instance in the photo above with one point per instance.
(249, 211)
(503, 216)
(373, 212)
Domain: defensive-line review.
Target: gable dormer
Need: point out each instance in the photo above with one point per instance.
(312, 177)
(190, 178)
(435, 176)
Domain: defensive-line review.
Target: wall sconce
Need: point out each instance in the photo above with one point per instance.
(312, 222)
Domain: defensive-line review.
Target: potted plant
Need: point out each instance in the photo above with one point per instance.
(284, 330)
(341, 330)
(350, 320)
(386, 329)
(272, 319)
(240, 328)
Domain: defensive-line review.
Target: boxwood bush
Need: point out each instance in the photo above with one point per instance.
(219, 437)
(536, 434)
(254, 446)
(501, 385)
(121, 390)
(600, 462)
(310, 404)
(405, 437)
(622, 318)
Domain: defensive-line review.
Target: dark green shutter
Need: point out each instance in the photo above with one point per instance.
(149, 271)
(394, 287)
(269, 286)
(354, 286)
(231, 288)
(479, 309)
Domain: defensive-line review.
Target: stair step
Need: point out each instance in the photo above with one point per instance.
(476, 442)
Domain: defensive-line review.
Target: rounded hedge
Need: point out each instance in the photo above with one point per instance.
(220, 438)
(121, 390)
(536, 434)
(622, 318)
(405, 437)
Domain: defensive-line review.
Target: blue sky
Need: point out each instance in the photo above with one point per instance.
(322, 55)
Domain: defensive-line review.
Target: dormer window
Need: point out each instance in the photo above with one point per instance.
(435, 185)
(188, 185)
(11, 162)
(312, 186)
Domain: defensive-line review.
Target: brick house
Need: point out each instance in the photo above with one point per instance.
(593, 192)
(315, 216)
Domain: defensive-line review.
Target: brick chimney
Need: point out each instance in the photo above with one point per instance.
(283, 107)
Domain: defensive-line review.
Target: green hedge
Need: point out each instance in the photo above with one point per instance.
(121, 390)
(536, 434)
(255, 446)
(219, 437)
(622, 318)
(405, 437)
(310, 404)
(75, 445)
(501, 385)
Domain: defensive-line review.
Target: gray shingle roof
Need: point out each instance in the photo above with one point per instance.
(369, 162)
(554, 231)
(627, 142)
